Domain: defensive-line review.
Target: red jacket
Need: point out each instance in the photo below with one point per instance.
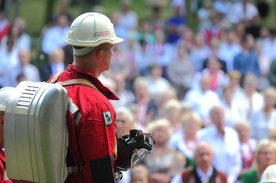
(95, 133)
(3, 178)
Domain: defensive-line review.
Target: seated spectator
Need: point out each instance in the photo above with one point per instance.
(139, 174)
(186, 140)
(247, 145)
(199, 98)
(247, 60)
(17, 32)
(242, 11)
(171, 110)
(225, 144)
(269, 44)
(264, 63)
(265, 155)
(126, 96)
(163, 162)
(234, 110)
(252, 100)
(156, 83)
(175, 23)
(228, 49)
(144, 58)
(162, 51)
(181, 71)
(147, 108)
(54, 36)
(214, 45)
(9, 58)
(218, 79)
(272, 134)
(54, 65)
(20, 77)
(235, 85)
(271, 76)
(264, 119)
(199, 52)
(4, 24)
(25, 67)
(203, 171)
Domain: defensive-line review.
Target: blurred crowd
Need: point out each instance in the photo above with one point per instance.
(209, 90)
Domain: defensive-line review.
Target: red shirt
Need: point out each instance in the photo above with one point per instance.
(95, 134)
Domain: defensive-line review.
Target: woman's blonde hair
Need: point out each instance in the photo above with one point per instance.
(266, 143)
(155, 124)
(186, 117)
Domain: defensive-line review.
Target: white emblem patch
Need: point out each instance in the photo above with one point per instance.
(107, 118)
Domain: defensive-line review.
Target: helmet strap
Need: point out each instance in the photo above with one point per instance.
(82, 51)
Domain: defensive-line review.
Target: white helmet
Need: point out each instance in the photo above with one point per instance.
(5, 93)
(269, 175)
(90, 30)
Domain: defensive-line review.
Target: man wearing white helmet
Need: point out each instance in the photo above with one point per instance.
(92, 133)
(4, 96)
(269, 175)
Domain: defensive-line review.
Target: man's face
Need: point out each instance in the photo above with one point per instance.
(217, 117)
(204, 157)
(123, 124)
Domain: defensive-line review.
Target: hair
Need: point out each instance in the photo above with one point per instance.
(270, 91)
(139, 81)
(250, 78)
(171, 104)
(127, 112)
(235, 75)
(155, 124)
(240, 124)
(261, 145)
(272, 133)
(140, 169)
(190, 116)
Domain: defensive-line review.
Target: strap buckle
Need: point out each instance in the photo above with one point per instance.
(75, 169)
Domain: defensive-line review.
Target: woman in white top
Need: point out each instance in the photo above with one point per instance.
(247, 144)
(185, 140)
(263, 120)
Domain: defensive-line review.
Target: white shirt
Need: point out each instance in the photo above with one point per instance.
(227, 158)
(177, 141)
(234, 113)
(236, 13)
(227, 52)
(202, 102)
(268, 48)
(261, 125)
(54, 38)
(157, 86)
(30, 71)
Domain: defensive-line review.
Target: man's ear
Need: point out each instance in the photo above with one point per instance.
(99, 54)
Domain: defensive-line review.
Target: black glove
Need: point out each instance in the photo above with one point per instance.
(132, 148)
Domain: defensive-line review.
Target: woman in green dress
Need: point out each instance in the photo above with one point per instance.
(265, 155)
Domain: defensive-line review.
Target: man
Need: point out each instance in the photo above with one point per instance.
(199, 98)
(225, 144)
(203, 171)
(92, 133)
(4, 94)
